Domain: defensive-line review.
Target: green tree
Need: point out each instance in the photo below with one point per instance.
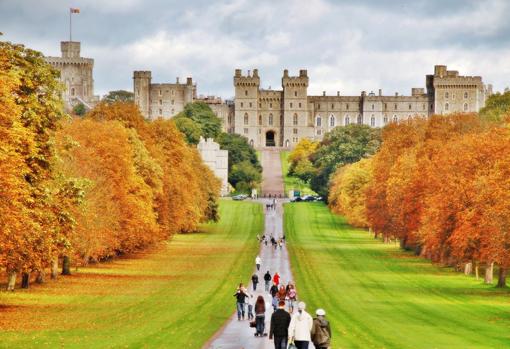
(244, 176)
(496, 107)
(79, 109)
(304, 170)
(189, 128)
(341, 146)
(119, 96)
(203, 116)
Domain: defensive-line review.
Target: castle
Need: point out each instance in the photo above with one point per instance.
(280, 118)
(76, 75)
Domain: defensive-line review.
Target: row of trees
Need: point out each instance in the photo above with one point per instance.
(198, 120)
(87, 189)
(441, 186)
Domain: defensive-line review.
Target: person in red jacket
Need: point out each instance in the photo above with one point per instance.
(276, 279)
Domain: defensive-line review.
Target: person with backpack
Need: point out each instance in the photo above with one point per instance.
(267, 279)
(321, 330)
(300, 327)
(255, 281)
(260, 316)
(279, 328)
(241, 295)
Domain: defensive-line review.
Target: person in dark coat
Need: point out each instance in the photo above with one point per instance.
(260, 316)
(255, 281)
(279, 328)
(267, 279)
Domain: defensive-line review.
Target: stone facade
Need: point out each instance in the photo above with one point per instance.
(216, 159)
(282, 117)
(76, 73)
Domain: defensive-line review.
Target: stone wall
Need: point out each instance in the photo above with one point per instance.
(216, 159)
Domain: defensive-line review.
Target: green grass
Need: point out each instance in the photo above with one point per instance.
(293, 183)
(379, 297)
(175, 297)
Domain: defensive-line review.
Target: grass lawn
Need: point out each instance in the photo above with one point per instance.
(177, 296)
(293, 183)
(379, 297)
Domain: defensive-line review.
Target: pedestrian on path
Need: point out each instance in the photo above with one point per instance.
(279, 328)
(258, 262)
(260, 316)
(291, 297)
(250, 307)
(321, 330)
(276, 279)
(300, 327)
(255, 281)
(267, 280)
(241, 296)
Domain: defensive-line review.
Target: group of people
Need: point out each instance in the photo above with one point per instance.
(275, 242)
(286, 327)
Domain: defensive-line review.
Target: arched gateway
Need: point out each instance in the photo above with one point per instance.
(270, 139)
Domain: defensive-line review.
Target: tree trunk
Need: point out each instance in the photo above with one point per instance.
(489, 273)
(502, 277)
(11, 280)
(477, 271)
(468, 268)
(54, 268)
(25, 280)
(66, 266)
(41, 276)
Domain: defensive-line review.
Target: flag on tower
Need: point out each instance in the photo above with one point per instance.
(75, 10)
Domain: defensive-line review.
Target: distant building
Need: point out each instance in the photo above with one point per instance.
(216, 159)
(76, 73)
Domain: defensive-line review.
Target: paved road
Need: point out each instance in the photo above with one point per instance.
(272, 179)
(237, 334)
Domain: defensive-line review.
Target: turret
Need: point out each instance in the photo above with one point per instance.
(70, 49)
(141, 86)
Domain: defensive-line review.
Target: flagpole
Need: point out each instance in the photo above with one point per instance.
(70, 25)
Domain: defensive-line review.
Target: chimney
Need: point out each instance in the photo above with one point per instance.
(324, 93)
(255, 73)
(177, 80)
(189, 81)
(396, 94)
(380, 92)
(338, 93)
(286, 73)
(238, 73)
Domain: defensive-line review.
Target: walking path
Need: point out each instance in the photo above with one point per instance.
(238, 334)
(272, 181)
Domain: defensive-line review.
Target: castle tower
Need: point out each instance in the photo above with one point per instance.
(296, 123)
(246, 105)
(141, 84)
(76, 73)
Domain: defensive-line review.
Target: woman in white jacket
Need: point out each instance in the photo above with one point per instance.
(300, 327)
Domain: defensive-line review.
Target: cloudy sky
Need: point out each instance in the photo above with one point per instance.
(348, 46)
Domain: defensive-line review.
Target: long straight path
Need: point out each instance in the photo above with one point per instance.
(238, 334)
(272, 178)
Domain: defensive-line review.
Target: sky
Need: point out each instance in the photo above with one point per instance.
(346, 46)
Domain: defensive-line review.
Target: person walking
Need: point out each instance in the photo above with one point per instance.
(260, 316)
(258, 262)
(279, 327)
(250, 307)
(291, 297)
(241, 296)
(276, 279)
(255, 281)
(267, 280)
(274, 300)
(321, 331)
(300, 327)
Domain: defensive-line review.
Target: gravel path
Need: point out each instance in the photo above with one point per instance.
(272, 179)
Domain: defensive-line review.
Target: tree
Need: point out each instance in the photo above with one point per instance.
(302, 151)
(189, 128)
(203, 116)
(304, 170)
(119, 96)
(341, 146)
(244, 176)
(497, 107)
(79, 109)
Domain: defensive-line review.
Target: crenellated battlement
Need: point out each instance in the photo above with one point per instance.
(248, 80)
(295, 81)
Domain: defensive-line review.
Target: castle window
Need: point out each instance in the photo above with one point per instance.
(373, 106)
(270, 119)
(161, 112)
(410, 106)
(260, 105)
(295, 131)
(446, 95)
(446, 106)
(395, 118)
(360, 119)
(260, 119)
(295, 120)
(291, 104)
(319, 132)
(466, 95)
(347, 106)
(159, 92)
(385, 119)
(241, 104)
(453, 95)
(295, 93)
(245, 131)
(318, 121)
(72, 91)
(300, 105)
(250, 104)
(385, 106)
(347, 120)
(395, 106)
(246, 118)
(318, 106)
(465, 107)
(160, 102)
(332, 106)
(246, 92)
(270, 105)
(372, 121)
(332, 121)
(173, 92)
